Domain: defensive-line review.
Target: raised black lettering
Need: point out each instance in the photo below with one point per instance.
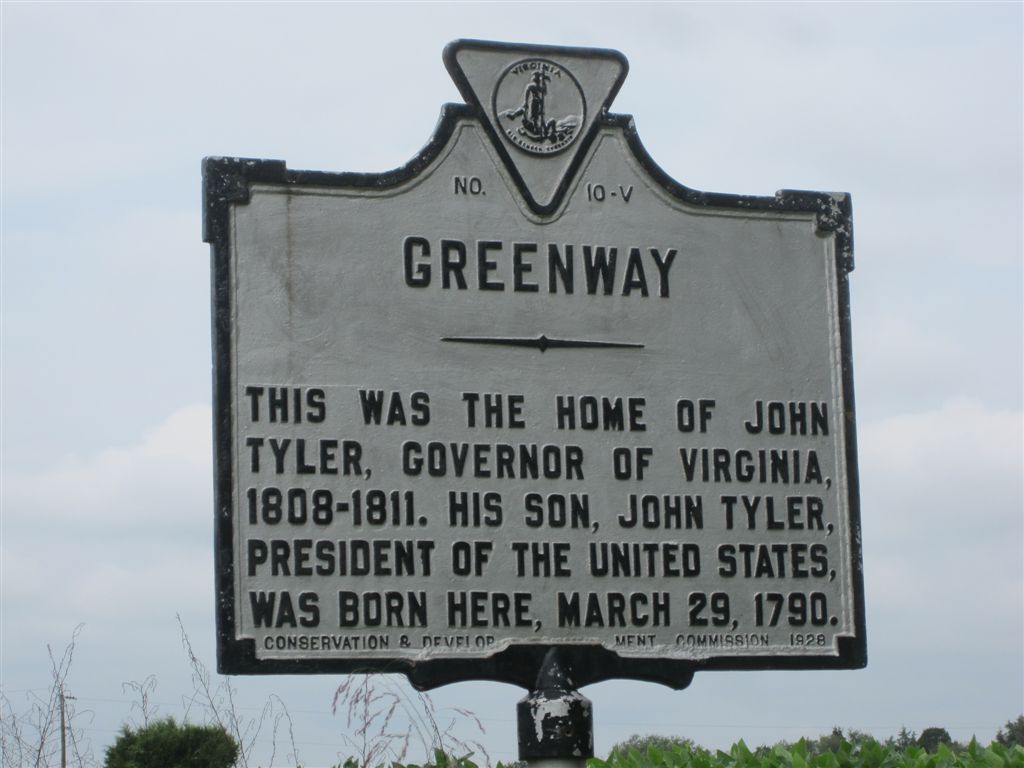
(417, 275)
(521, 268)
(453, 263)
(635, 278)
(560, 269)
(485, 265)
(599, 268)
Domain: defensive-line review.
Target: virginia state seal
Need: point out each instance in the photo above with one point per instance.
(539, 106)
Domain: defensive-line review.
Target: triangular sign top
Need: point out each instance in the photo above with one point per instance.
(540, 105)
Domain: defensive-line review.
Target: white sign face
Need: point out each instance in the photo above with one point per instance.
(457, 419)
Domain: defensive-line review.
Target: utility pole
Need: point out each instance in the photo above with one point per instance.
(63, 730)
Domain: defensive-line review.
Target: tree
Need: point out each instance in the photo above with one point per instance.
(166, 744)
(641, 743)
(903, 740)
(828, 743)
(931, 738)
(1012, 733)
(833, 742)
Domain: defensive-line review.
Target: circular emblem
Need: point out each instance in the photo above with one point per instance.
(539, 106)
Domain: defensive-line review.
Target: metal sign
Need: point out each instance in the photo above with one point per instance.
(528, 391)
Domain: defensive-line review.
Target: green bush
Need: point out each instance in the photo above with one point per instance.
(865, 754)
(166, 744)
(640, 743)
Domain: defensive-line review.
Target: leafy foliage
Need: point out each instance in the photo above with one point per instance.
(867, 753)
(833, 742)
(1012, 733)
(644, 743)
(932, 738)
(166, 744)
(903, 739)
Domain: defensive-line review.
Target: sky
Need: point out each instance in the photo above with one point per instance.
(915, 109)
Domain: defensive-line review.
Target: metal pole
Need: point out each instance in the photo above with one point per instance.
(556, 722)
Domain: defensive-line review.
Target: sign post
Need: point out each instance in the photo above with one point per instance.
(529, 398)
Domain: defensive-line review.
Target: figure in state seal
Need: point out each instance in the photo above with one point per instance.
(539, 106)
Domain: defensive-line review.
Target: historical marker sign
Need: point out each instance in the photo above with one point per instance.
(528, 391)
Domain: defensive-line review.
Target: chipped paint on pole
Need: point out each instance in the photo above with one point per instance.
(555, 721)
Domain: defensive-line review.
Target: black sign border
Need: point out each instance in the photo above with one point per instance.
(227, 181)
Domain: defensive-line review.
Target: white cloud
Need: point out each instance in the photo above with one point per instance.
(158, 484)
(106, 322)
(941, 497)
(120, 541)
(894, 343)
(962, 442)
